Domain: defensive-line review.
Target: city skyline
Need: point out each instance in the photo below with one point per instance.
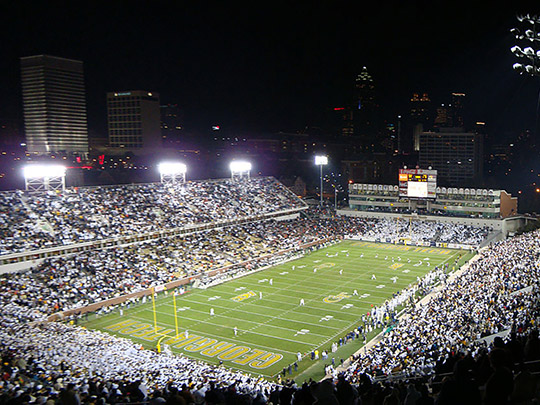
(252, 69)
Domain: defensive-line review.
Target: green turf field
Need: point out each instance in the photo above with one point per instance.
(265, 307)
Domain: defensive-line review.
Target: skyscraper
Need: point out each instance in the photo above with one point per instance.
(171, 124)
(420, 116)
(443, 119)
(420, 109)
(456, 155)
(134, 120)
(451, 115)
(54, 103)
(365, 112)
(356, 118)
(364, 91)
(458, 101)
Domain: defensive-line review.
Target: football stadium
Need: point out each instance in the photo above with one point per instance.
(210, 203)
(235, 290)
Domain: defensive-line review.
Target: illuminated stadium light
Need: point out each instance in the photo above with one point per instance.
(240, 169)
(529, 62)
(172, 172)
(240, 166)
(321, 161)
(41, 171)
(44, 177)
(172, 168)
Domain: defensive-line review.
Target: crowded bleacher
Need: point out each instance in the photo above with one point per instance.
(39, 220)
(54, 362)
(424, 231)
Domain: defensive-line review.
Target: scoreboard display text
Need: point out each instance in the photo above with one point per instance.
(417, 183)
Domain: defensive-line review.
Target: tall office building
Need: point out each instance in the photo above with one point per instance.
(364, 91)
(420, 116)
(345, 120)
(443, 118)
(357, 117)
(365, 108)
(457, 156)
(420, 109)
(54, 104)
(451, 115)
(458, 101)
(134, 120)
(171, 124)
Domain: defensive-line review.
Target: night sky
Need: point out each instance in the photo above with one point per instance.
(275, 66)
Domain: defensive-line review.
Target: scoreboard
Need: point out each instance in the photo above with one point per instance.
(417, 183)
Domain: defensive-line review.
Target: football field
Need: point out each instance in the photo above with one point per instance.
(257, 323)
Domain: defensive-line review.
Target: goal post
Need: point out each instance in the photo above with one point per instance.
(154, 291)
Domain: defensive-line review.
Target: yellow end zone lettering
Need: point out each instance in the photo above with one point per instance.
(174, 340)
(184, 342)
(242, 355)
(121, 325)
(233, 353)
(249, 357)
(266, 361)
(217, 348)
(131, 330)
(201, 344)
(152, 334)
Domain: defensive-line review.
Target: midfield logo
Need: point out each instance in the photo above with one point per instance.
(244, 296)
(336, 298)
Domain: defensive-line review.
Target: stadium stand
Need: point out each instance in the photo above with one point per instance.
(55, 362)
(35, 221)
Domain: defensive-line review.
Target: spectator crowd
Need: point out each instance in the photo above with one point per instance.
(34, 221)
(53, 362)
(427, 232)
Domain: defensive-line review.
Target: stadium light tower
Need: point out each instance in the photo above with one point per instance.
(321, 161)
(529, 34)
(44, 177)
(172, 172)
(239, 169)
(529, 58)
